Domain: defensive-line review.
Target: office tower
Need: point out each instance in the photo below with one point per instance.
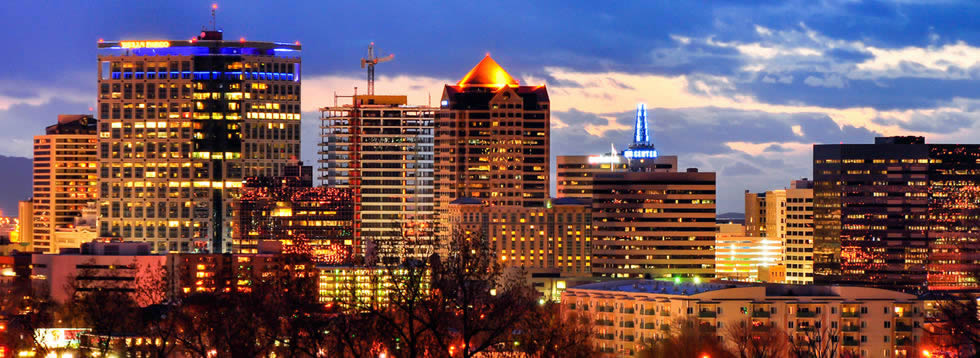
(898, 213)
(303, 219)
(741, 257)
(785, 215)
(181, 124)
(25, 224)
(555, 237)
(492, 141)
(854, 321)
(65, 176)
(105, 265)
(656, 225)
(381, 148)
(575, 172)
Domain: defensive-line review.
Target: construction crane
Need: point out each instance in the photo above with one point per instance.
(370, 61)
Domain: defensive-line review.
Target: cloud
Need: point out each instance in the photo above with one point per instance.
(942, 122)
(739, 169)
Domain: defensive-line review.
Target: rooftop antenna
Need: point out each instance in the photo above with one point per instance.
(214, 21)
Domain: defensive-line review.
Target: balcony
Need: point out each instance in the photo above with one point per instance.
(760, 314)
(629, 338)
(649, 326)
(707, 314)
(708, 328)
(665, 327)
(805, 329)
(761, 327)
(903, 342)
(649, 312)
(851, 328)
(806, 314)
(850, 343)
(903, 328)
(628, 311)
(606, 336)
(854, 314)
(665, 313)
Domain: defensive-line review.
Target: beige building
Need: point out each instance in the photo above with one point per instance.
(181, 123)
(65, 177)
(575, 173)
(785, 215)
(739, 257)
(654, 225)
(492, 142)
(82, 229)
(554, 237)
(382, 148)
(866, 322)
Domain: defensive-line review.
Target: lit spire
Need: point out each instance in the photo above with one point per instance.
(641, 134)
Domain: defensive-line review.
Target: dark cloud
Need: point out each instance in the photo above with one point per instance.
(938, 123)
(740, 168)
(881, 93)
(775, 148)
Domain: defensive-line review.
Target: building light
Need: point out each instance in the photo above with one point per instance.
(640, 153)
(604, 159)
(144, 44)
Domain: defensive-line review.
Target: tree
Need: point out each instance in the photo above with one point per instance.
(481, 306)
(815, 342)
(546, 332)
(687, 338)
(106, 298)
(954, 326)
(749, 340)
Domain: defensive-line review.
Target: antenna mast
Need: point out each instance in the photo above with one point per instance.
(214, 21)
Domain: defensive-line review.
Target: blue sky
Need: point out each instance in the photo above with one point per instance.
(743, 88)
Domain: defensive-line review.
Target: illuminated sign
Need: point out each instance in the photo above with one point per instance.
(144, 44)
(603, 159)
(59, 337)
(640, 154)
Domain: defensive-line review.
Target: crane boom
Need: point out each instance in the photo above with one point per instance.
(369, 63)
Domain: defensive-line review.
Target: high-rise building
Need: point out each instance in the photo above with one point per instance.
(785, 215)
(25, 224)
(898, 213)
(181, 123)
(318, 222)
(381, 148)
(648, 224)
(739, 257)
(575, 172)
(492, 141)
(555, 237)
(65, 176)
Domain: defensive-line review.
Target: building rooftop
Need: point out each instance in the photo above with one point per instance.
(488, 73)
(657, 286)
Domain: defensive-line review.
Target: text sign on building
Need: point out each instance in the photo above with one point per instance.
(144, 44)
(640, 153)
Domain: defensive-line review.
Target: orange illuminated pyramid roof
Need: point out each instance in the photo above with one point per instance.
(487, 73)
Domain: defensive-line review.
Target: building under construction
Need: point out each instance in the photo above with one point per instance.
(382, 149)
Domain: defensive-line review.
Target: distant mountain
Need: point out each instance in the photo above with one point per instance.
(730, 216)
(15, 183)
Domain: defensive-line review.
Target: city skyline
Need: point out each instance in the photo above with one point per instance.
(757, 89)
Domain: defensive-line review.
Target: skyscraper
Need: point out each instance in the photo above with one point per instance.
(381, 148)
(898, 213)
(181, 123)
(492, 141)
(654, 225)
(786, 216)
(65, 176)
(287, 209)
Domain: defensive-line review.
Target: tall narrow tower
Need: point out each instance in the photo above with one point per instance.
(641, 134)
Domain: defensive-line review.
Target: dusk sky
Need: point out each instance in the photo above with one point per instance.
(743, 88)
